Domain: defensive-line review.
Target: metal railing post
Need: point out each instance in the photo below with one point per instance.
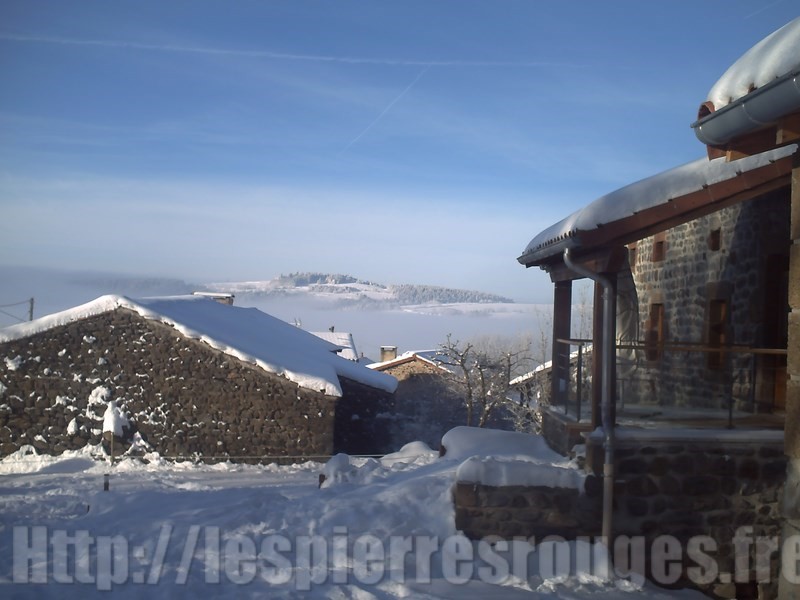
(579, 390)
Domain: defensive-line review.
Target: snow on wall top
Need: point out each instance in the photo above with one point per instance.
(505, 458)
(464, 442)
(645, 194)
(776, 55)
(501, 472)
(244, 333)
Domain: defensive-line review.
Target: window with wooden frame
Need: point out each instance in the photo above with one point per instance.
(654, 333)
(717, 332)
(632, 255)
(715, 239)
(659, 252)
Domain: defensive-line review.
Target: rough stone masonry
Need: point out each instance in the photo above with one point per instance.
(182, 397)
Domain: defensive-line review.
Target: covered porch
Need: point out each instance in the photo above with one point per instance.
(681, 355)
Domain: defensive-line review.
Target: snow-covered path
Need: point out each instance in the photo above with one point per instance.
(376, 530)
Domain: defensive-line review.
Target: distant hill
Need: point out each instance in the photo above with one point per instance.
(423, 294)
(55, 290)
(306, 279)
(347, 289)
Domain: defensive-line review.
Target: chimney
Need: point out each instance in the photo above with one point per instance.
(388, 353)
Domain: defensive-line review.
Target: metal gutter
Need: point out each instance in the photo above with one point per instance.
(609, 320)
(650, 197)
(760, 108)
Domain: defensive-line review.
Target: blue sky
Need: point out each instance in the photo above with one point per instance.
(419, 142)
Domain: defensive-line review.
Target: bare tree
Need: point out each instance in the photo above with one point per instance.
(481, 372)
(584, 309)
(535, 386)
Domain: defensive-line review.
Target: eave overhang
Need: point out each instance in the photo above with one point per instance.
(660, 202)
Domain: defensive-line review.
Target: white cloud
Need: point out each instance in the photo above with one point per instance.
(267, 54)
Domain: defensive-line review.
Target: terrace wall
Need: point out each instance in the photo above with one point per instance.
(723, 489)
(695, 487)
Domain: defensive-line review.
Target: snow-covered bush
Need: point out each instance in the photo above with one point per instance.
(114, 421)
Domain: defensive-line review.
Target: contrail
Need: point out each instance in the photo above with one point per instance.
(387, 109)
(355, 60)
(762, 9)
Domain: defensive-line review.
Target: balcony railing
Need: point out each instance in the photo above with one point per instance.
(679, 382)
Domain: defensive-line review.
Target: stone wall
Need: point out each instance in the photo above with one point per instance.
(697, 268)
(183, 397)
(522, 511)
(404, 371)
(681, 488)
(562, 432)
(686, 488)
(364, 420)
(791, 498)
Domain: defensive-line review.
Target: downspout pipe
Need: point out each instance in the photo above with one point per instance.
(606, 395)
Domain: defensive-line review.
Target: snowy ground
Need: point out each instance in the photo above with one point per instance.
(375, 530)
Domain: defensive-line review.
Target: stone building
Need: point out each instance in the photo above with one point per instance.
(695, 402)
(426, 406)
(195, 378)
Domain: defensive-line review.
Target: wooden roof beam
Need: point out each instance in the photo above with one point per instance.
(785, 131)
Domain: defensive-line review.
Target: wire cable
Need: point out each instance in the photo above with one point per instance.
(28, 301)
(13, 316)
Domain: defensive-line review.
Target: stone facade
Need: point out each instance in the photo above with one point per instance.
(791, 498)
(428, 404)
(425, 405)
(723, 257)
(184, 398)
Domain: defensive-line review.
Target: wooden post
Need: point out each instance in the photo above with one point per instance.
(562, 320)
(791, 506)
(597, 354)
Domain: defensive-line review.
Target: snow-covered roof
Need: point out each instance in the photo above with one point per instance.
(649, 193)
(216, 295)
(245, 333)
(546, 366)
(775, 56)
(426, 356)
(344, 341)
